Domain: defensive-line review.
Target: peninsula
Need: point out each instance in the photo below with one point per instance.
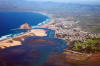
(15, 41)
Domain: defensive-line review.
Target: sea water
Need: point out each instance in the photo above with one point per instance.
(13, 20)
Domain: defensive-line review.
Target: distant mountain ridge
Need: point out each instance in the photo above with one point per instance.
(52, 7)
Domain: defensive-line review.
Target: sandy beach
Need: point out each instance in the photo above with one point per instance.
(15, 41)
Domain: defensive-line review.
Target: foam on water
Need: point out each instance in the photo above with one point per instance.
(42, 23)
(10, 36)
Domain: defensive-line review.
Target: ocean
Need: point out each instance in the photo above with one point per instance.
(13, 20)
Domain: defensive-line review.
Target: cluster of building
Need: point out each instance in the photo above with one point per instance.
(65, 30)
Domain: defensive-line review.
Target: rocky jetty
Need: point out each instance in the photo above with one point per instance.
(25, 26)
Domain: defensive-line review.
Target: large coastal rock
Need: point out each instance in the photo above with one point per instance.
(25, 26)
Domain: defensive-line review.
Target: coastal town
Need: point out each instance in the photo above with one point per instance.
(68, 31)
(65, 30)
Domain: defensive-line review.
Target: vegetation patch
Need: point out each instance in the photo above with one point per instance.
(96, 30)
(89, 46)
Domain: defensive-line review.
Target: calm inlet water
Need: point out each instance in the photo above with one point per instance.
(13, 20)
(34, 51)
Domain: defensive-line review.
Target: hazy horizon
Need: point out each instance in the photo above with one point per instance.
(60, 1)
(71, 1)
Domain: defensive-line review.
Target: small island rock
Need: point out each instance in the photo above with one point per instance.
(25, 26)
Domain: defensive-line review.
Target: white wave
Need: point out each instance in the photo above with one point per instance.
(10, 36)
(5, 37)
(42, 23)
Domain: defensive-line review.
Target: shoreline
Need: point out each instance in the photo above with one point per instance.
(8, 42)
(51, 20)
(15, 41)
(62, 27)
(64, 30)
(9, 36)
(52, 25)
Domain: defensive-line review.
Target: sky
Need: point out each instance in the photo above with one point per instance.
(71, 1)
